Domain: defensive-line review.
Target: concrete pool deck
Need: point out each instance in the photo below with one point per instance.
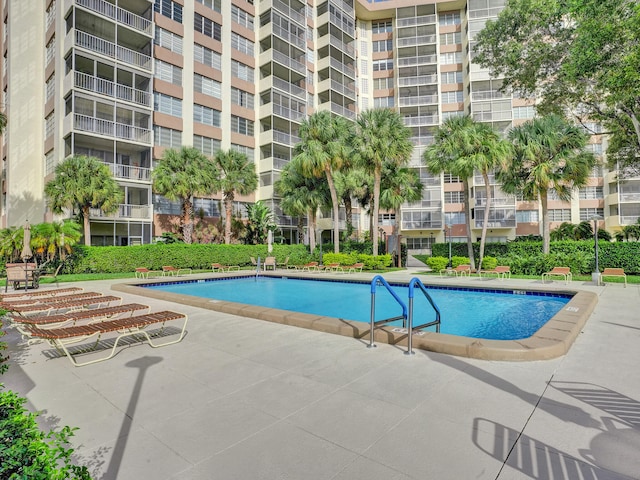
(241, 398)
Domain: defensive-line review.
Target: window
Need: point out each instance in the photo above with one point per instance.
(450, 38)
(364, 86)
(419, 243)
(450, 58)
(381, 27)
(49, 125)
(210, 207)
(206, 115)
(51, 15)
(242, 98)
(167, 72)
(559, 215)
(595, 148)
(50, 87)
(453, 197)
(527, 216)
(379, 65)
(446, 115)
(212, 4)
(383, 46)
(364, 48)
(241, 125)
(248, 151)
(386, 219)
(207, 27)
(241, 44)
(364, 66)
(166, 104)
(586, 214)
(50, 50)
(452, 97)
(449, 19)
(383, 102)
(524, 112)
(206, 145)
(454, 218)
(241, 71)
(207, 86)
(169, 40)
(590, 193)
(451, 77)
(241, 17)
(448, 178)
(207, 57)
(49, 162)
(167, 137)
(382, 83)
(168, 9)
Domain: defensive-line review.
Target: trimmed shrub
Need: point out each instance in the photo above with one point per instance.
(341, 258)
(437, 263)
(489, 263)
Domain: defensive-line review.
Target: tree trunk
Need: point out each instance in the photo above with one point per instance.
(87, 225)
(336, 212)
(376, 207)
(487, 207)
(348, 210)
(545, 222)
(228, 211)
(467, 213)
(300, 229)
(187, 226)
(312, 230)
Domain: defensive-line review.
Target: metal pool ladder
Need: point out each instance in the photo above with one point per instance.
(407, 313)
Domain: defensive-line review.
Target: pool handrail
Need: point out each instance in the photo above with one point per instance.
(412, 284)
(374, 283)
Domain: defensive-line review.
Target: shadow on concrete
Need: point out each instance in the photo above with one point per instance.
(143, 364)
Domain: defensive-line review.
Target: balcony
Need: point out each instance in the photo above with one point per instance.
(287, 87)
(419, 40)
(421, 80)
(125, 211)
(113, 51)
(341, 67)
(288, 11)
(500, 201)
(109, 128)
(288, 37)
(487, 95)
(413, 21)
(122, 16)
(129, 172)
(343, 47)
(421, 120)
(345, 112)
(288, 62)
(421, 100)
(100, 86)
(492, 116)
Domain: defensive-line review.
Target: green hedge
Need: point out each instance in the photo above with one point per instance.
(526, 258)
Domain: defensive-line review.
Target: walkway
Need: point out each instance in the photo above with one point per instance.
(246, 399)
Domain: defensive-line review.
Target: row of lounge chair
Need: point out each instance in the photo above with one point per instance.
(66, 317)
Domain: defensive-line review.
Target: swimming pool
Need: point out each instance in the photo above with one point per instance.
(467, 312)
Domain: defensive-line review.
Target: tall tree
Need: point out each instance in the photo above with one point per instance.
(302, 195)
(351, 183)
(180, 175)
(260, 221)
(381, 139)
(450, 152)
(399, 185)
(80, 184)
(580, 56)
(548, 154)
(324, 146)
(237, 176)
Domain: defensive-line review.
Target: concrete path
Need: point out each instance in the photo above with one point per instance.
(250, 400)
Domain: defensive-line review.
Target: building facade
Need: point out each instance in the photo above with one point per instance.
(122, 80)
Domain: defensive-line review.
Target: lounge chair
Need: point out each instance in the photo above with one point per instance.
(169, 270)
(221, 268)
(269, 262)
(61, 338)
(142, 272)
(284, 264)
(333, 267)
(356, 267)
(58, 307)
(502, 272)
(58, 298)
(460, 270)
(309, 266)
(40, 293)
(614, 272)
(564, 272)
(64, 319)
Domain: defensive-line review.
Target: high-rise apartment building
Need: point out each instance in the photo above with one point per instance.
(122, 80)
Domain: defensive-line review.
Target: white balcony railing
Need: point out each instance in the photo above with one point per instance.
(125, 210)
(421, 80)
(421, 100)
(121, 15)
(129, 172)
(109, 128)
(111, 50)
(106, 87)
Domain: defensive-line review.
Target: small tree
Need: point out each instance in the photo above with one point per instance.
(260, 221)
(80, 184)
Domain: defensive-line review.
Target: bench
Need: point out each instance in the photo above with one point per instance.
(62, 337)
(22, 273)
(564, 272)
(502, 271)
(614, 272)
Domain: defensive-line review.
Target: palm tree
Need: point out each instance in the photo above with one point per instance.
(565, 231)
(450, 151)
(323, 148)
(237, 176)
(80, 184)
(180, 175)
(399, 185)
(351, 183)
(260, 221)
(302, 195)
(382, 139)
(548, 154)
(11, 241)
(56, 238)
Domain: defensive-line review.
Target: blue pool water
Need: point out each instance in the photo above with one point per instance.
(490, 314)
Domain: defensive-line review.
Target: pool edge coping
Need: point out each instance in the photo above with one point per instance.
(552, 340)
